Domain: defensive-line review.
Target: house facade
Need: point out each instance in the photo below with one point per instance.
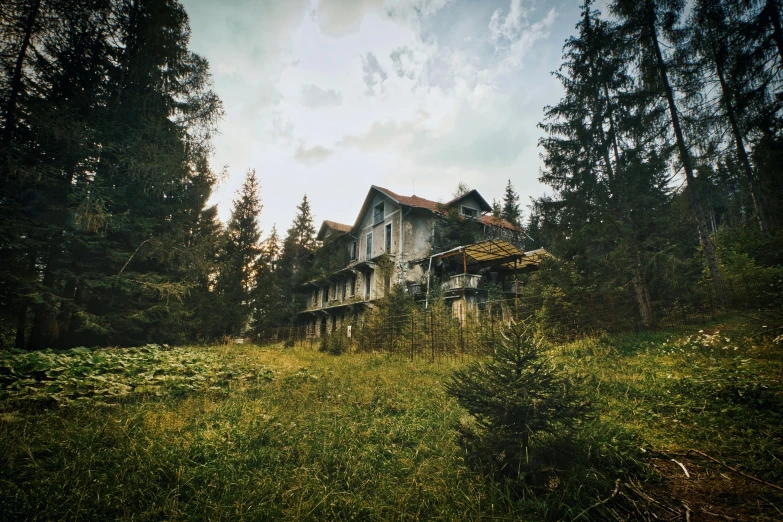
(393, 241)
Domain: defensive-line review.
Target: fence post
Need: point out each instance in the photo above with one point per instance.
(413, 332)
(492, 328)
(461, 342)
(432, 333)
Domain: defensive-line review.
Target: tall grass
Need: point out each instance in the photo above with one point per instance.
(374, 437)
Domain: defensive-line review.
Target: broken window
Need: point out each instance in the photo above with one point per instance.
(378, 214)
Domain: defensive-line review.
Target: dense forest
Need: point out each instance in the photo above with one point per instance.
(665, 154)
(664, 161)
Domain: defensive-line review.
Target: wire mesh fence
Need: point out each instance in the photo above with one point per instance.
(442, 330)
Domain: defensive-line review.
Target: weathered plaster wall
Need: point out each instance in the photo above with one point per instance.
(471, 202)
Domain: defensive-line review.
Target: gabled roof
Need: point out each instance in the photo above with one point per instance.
(485, 207)
(432, 206)
(409, 201)
(337, 227)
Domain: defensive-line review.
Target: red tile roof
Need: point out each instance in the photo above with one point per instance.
(337, 226)
(412, 201)
(491, 220)
(416, 201)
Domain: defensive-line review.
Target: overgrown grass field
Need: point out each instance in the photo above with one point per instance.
(244, 432)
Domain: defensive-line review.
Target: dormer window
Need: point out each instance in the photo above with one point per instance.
(378, 214)
(469, 212)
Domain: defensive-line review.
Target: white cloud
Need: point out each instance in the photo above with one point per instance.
(328, 97)
(314, 97)
(508, 27)
(313, 154)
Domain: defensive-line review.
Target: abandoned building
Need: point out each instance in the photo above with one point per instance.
(404, 240)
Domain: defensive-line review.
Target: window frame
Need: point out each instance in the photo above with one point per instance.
(474, 212)
(387, 238)
(378, 217)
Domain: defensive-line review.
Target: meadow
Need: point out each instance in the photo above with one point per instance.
(686, 424)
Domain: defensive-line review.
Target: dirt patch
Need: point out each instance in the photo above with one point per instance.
(708, 492)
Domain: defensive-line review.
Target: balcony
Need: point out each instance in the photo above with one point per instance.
(461, 282)
(512, 287)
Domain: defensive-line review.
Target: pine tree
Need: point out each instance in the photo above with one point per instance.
(294, 265)
(497, 210)
(510, 211)
(267, 296)
(725, 57)
(113, 116)
(239, 260)
(608, 188)
(517, 398)
(302, 231)
(644, 22)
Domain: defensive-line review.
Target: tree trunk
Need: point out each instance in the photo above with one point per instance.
(642, 292)
(638, 279)
(21, 326)
(774, 19)
(66, 310)
(16, 78)
(21, 318)
(73, 324)
(43, 323)
(701, 220)
(741, 152)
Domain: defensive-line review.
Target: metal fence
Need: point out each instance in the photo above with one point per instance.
(436, 331)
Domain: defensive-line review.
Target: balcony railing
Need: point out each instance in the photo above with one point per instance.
(461, 282)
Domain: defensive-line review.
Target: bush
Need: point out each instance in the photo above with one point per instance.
(520, 403)
(335, 344)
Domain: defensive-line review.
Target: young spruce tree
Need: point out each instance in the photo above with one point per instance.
(517, 398)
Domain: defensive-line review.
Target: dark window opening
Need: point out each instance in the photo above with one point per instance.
(388, 239)
(378, 214)
(469, 212)
(369, 246)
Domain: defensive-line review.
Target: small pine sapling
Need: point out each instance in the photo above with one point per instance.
(519, 400)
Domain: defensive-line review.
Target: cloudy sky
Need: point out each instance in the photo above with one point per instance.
(328, 97)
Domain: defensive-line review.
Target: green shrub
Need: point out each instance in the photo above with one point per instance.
(335, 344)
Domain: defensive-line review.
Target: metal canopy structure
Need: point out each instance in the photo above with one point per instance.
(494, 252)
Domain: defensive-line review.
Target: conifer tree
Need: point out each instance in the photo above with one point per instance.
(516, 397)
(608, 187)
(510, 211)
(497, 210)
(294, 265)
(725, 57)
(113, 116)
(644, 22)
(239, 261)
(267, 296)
